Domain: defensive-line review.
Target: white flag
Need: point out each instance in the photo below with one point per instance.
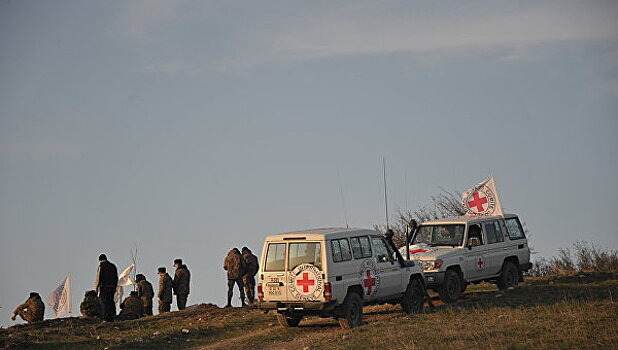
(60, 299)
(123, 280)
(482, 199)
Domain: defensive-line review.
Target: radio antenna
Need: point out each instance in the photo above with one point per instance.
(345, 212)
(385, 196)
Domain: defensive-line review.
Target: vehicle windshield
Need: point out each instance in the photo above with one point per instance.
(435, 235)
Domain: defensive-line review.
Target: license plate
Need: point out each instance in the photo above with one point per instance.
(274, 290)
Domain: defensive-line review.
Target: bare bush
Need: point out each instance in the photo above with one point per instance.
(587, 258)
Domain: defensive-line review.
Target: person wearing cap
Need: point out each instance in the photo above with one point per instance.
(106, 283)
(251, 269)
(145, 292)
(131, 308)
(91, 305)
(165, 291)
(182, 278)
(32, 310)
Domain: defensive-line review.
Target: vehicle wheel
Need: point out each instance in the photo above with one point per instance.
(509, 277)
(289, 320)
(451, 288)
(414, 298)
(352, 312)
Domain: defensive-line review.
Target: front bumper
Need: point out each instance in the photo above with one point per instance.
(433, 279)
(297, 306)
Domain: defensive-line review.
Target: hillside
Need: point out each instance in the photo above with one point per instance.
(579, 311)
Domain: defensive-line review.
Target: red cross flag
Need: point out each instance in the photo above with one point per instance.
(482, 199)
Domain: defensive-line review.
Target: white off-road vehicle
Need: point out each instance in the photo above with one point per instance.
(456, 251)
(333, 272)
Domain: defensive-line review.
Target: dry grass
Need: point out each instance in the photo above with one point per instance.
(583, 257)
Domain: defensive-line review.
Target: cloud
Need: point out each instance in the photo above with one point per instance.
(274, 34)
(140, 18)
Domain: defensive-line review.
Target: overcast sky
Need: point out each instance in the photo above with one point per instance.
(192, 127)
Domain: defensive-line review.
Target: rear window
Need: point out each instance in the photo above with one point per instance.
(275, 257)
(361, 248)
(341, 250)
(304, 253)
(514, 228)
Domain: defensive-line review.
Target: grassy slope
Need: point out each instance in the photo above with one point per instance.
(569, 312)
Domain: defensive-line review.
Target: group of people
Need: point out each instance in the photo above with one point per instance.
(241, 269)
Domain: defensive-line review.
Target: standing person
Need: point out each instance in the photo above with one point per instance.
(32, 310)
(235, 267)
(182, 278)
(107, 281)
(165, 291)
(145, 292)
(251, 269)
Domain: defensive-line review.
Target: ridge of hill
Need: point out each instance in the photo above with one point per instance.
(579, 311)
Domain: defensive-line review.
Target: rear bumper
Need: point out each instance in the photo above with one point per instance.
(433, 279)
(297, 306)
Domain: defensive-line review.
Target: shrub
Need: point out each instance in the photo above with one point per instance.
(587, 258)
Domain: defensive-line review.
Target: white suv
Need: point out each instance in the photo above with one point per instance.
(457, 251)
(333, 272)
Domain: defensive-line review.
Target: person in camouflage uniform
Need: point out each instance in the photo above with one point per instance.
(32, 310)
(235, 267)
(251, 269)
(91, 306)
(165, 291)
(145, 292)
(131, 308)
(182, 279)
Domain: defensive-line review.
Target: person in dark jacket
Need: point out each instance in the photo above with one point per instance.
(235, 267)
(107, 281)
(182, 279)
(91, 306)
(32, 310)
(251, 269)
(145, 292)
(165, 291)
(131, 308)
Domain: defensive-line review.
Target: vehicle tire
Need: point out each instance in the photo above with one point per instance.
(289, 320)
(450, 290)
(509, 276)
(414, 298)
(352, 312)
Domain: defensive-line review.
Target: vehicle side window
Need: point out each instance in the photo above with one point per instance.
(275, 257)
(514, 228)
(360, 247)
(346, 253)
(341, 250)
(382, 251)
(336, 250)
(475, 236)
(493, 232)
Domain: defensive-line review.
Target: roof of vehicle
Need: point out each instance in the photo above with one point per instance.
(322, 233)
(465, 219)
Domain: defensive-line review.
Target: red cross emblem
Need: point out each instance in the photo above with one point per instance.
(477, 202)
(305, 282)
(421, 250)
(369, 282)
(480, 262)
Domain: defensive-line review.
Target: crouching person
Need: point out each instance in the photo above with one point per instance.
(91, 306)
(131, 308)
(32, 310)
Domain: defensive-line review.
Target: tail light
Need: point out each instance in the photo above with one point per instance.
(328, 291)
(260, 292)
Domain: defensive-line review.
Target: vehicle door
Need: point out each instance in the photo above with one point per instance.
(274, 272)
(390, 271)
(368, 272)
(475, 255)
(305, 280)
(497, 248)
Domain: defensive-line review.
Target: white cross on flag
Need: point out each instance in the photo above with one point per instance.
(60, 299)
(482, 199)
